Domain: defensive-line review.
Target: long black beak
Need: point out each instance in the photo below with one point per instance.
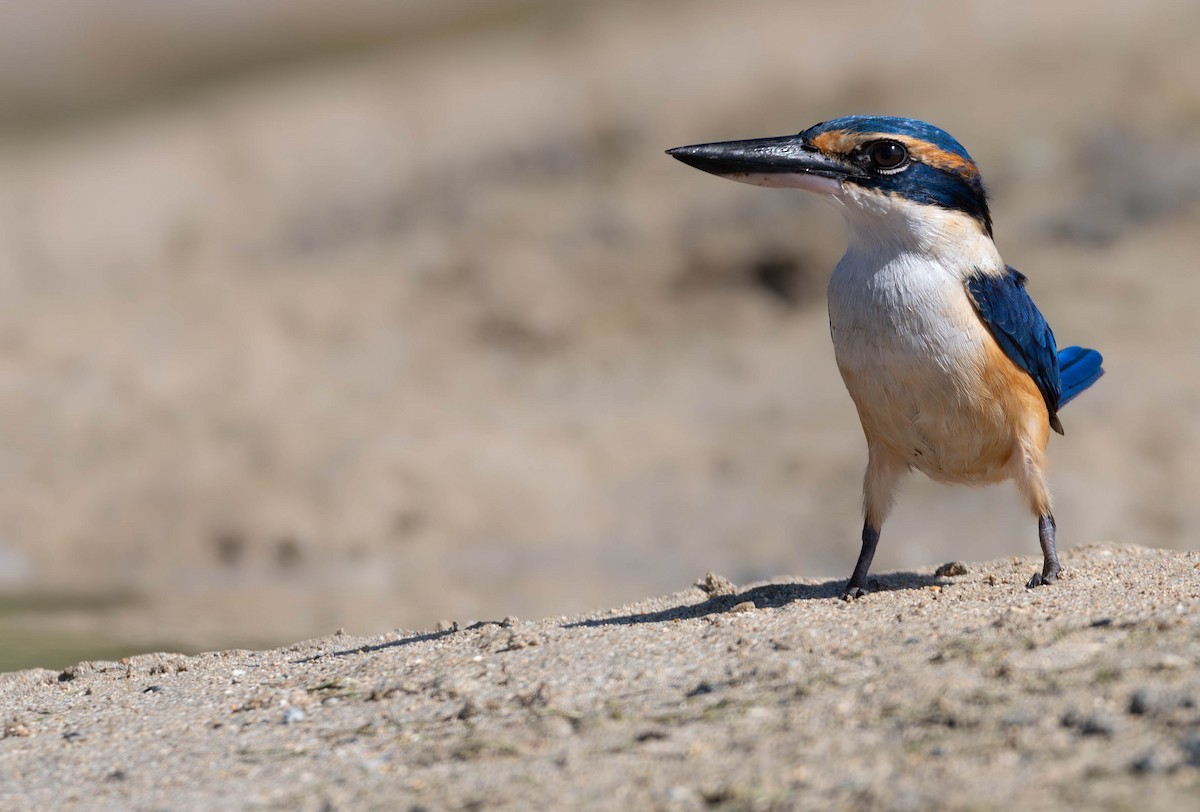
(784, 161)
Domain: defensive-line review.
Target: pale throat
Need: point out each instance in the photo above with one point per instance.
(885, 228)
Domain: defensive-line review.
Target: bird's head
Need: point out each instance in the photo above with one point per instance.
(879, 164)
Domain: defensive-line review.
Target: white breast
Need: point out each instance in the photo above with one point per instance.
(910, 345)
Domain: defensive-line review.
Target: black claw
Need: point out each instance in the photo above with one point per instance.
(855, 593)
(1042, 579)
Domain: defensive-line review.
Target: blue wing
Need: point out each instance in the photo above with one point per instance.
(1021, 331)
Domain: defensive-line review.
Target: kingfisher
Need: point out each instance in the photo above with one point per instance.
(952, 368)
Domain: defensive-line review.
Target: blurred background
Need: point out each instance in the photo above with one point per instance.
(371, 314)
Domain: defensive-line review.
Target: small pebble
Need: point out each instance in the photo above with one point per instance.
(293, 715)
(1090, 725)
(468, 710)
(713, 584)
(951, 569)
(683, 795)
(1191, 749)
(744, 606)
(1172, 661)
(1146, 763)
(1140, 702)
(1098, 726)
(1018, 718)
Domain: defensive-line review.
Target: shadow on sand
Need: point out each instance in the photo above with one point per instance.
(767, 596)
(404, 641)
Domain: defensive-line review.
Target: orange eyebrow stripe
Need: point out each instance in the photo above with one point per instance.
(838, 142)
(843, 142)
(937, 157)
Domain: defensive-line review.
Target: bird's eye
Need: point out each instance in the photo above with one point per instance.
(888, 154)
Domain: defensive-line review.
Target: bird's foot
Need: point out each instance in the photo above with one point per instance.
(855, 591)
(1042, 579)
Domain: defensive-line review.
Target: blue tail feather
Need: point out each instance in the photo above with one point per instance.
(1078, 369)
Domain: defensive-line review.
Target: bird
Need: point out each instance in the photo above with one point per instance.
(952, 368)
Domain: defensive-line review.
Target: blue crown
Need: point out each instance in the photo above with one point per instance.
(891, 125)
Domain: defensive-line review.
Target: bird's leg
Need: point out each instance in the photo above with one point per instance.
(1050, 566)
(879, 489)
(858, 585)
(1030, 476)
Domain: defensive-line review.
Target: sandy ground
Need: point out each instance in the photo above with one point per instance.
(961, 691)
(434, 329)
